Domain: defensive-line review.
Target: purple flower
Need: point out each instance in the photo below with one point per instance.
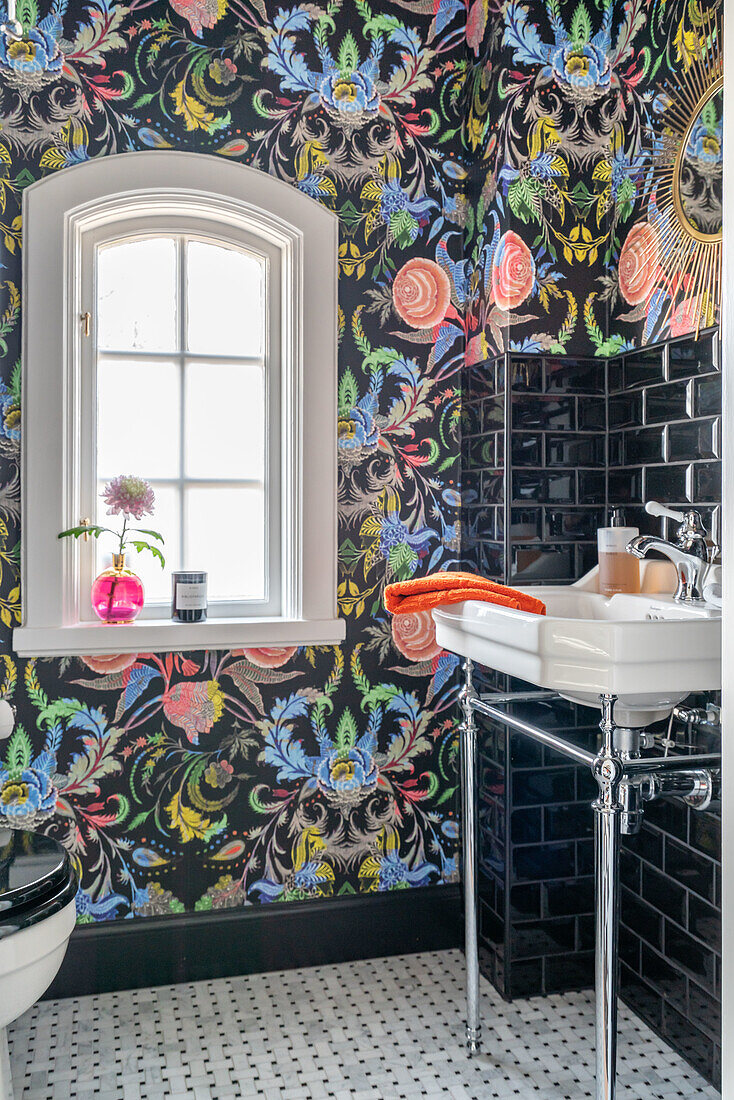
(133, 496)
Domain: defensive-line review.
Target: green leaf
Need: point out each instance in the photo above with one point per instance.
(140, 546)
(402, 560)
(348, 392)
(580, 26)
(146, 531)
(404, 227)
(346, 731)
(19, 751)
(85, 529)
(348, 59)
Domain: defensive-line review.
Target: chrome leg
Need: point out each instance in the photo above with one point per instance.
(468, 734)
(608, 815)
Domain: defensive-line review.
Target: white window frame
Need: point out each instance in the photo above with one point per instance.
(59, 213)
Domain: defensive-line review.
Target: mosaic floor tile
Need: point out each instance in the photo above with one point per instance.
(380, 1029)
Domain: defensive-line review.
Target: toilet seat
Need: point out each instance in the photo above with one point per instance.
(36, 880)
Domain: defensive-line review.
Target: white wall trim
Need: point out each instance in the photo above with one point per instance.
(56, 211)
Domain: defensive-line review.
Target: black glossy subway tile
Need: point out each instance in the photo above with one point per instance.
(566, 375)
(615, 375)
(663, 976)
(471, 419)
(615, 449)
(535, 564)
(545, 413)
(648, 844)
(692, 870)
(691, 1043)
(568, 822)
(630, 870)
(643, 366)
(642, 919)
(645, 1000)
(538, 862)
(525, 753)
(526, 979)
(688, 955)
(707, 395)
(543, 937)
(688, 357)
(592, 414)
(686, 442)
(493, 413)
(670, 401)
(625, 410)
(577, 523)
(480, 452)
(669, 815)
(492, 487)
(666, 483)
(704, 922)
(541, 487)
(705, 1009)
(562, 899)
(546, 785)
(527, 448)
(479, 380)
(584, 857)
(526, 902)
(706, 481)
(625, 486)
(573, 972)
(526, 373)
(526, 523)
(705, 834)
(666, 895)
(630, 947)
(526, 826)
(643, 445)
(492, 560)
(575, 450)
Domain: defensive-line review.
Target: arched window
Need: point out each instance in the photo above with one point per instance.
(180, 324)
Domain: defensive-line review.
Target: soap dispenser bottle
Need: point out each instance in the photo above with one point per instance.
(618, 570)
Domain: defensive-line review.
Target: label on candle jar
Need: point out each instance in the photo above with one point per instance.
(190, 597)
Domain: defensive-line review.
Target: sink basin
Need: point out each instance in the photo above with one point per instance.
(646, 649)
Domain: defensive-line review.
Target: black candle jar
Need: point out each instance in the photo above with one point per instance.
(189, 597)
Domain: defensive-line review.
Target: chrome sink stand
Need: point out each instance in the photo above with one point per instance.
(626, 781)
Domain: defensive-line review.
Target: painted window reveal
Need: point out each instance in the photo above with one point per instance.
(180, 376)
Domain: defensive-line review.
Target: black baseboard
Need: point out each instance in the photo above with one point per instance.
(132, 954)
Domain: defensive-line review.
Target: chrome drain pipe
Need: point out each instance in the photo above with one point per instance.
(626, 781)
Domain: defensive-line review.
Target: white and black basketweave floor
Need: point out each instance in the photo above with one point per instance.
(372, 1030)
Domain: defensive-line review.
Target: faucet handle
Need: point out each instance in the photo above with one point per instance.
(654, 508)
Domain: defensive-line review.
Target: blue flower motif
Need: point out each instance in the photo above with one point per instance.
(352, 97)
(394, 533)
(394, 873)
(104, 908)
(27, 797)
(346, 775)
(358, 430)
(705, 142)
(9, 414)
(37, 54)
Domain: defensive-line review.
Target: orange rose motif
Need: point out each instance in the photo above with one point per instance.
(513, 273)
(414, 635)
(638, 264)
(110, 662)
(269, 656)
(194, 707)
(421, 293)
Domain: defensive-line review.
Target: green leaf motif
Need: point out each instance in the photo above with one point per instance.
(580, 26)
(19, 751)
(402, 560)
(348, 59)
(348, 392)
(346, 731)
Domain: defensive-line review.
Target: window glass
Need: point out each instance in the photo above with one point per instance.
(181, 401)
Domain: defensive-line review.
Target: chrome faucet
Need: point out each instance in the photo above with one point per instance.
(689, 552)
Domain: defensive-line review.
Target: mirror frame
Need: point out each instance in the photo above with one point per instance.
(690, 229)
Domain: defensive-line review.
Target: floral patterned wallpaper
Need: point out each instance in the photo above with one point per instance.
(205, 780)
(489, 163)
(563, 112)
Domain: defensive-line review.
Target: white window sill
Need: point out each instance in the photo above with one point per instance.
(165, 636)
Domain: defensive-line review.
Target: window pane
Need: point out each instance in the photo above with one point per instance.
(138, 417)
(225, 421)
(225, 535)
(167, 520)
(136, 295)
(225, 300)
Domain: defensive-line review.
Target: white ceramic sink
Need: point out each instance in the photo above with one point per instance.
(646, 649)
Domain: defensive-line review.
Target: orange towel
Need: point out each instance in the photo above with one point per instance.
(425, 593)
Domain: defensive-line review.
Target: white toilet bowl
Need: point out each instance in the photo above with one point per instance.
(37, 916)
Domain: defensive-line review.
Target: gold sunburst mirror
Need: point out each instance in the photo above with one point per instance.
(687, 177)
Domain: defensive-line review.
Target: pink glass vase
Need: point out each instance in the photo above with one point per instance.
(117, 594)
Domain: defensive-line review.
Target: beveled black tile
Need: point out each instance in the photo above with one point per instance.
(573, 972)
(625, 410)
(705, 1010)
(526, 979)
(615, 375)
(643, 445)
(642, 367)
(687, 442)
(592, 486)
(645, 1000)
(492, 487)
(543, 937)
(562, 899)
(568, 822)
(493, 414)
(526, 826)
(704, 922)
(642, 919)
(533, 564)
(526, 523)
(471, 418)
(575, 450)
(687, 357)
(669, 815)
(480, 452)
(667, 896)
(547, 785)
(706, 481)
(625, 486)
(525, 902)
(707, 395)
(592, 414)
(527, 448)
(544, 861)
(548, 413)
(706, 834)
(689, 955)
(526, 373)
(696, 1047)
(577, 523)
(667, 402)
(666, 978)
(665, 483)
(686, 866)
(566, 375)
